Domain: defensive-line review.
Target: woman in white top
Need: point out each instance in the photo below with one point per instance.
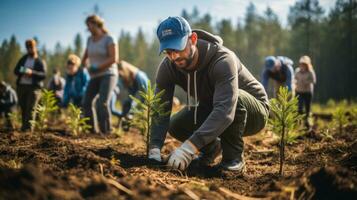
(304, 81)
(100, 57)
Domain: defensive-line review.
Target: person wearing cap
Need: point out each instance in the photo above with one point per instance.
(280, 70)
(77, 79)
(305, 79)
(31, 72)
(227, 101)
(8, 101)
(101, 54)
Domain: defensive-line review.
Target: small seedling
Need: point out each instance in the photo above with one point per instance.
(15, 118)
(147, 111)
(285, 119)
(75, 122)
(114, 161)
(339, 117)
(43, 111)
(354, 116)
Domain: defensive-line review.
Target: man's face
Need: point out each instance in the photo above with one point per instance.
(182, 59)
(31, 49)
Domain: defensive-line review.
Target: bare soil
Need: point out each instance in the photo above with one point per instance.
(56, 165)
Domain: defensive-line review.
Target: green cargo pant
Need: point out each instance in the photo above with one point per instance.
(251, 116)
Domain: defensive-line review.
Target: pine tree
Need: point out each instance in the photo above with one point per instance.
(147, 111)
(78, 45)
(285, 119)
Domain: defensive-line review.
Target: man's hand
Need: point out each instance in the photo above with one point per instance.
(182, 156)
(25, 70)
(154, 154)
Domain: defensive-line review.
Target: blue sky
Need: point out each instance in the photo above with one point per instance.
(59, 20)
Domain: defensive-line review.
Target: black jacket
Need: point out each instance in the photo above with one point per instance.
(39, 71)
(8, 98)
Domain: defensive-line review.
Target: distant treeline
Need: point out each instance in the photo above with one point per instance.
(330, 39)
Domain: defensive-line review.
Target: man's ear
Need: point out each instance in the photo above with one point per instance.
(194, 38)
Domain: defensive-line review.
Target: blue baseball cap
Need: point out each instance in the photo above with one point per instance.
(173, 33)
(270, 62)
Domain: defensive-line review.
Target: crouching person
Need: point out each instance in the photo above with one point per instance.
(228, 102)
(77, 79)
(8, 101)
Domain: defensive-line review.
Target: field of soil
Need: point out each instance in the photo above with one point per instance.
(56, 165)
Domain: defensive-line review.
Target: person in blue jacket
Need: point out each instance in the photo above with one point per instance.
(133, 80)
(76, 82)
(280, 70)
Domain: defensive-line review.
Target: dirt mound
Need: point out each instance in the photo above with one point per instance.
(31, 183)
(57, 153)
(332, 182)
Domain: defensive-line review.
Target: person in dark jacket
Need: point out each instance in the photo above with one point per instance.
(76, 82)
(280, 70)
(31, 72)
(8, 101)
(228, 102)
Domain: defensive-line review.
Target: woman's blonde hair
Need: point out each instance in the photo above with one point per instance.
(98, 21)
(72, 58)
(306, 60)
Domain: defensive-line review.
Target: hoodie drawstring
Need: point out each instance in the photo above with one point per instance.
(189, 92)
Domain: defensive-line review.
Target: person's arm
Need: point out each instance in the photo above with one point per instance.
(313, 77)
(225, 99)
(265, 79)
(163, 82)
(18, 65)
(84, 58)
(289, 77)
(14, 97)
(40, 74)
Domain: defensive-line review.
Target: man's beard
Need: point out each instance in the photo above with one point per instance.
(188, 60)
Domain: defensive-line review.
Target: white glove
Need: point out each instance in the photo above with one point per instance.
(182, 156)
(154, 154)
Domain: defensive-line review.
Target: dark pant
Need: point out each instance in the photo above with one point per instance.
(29, 97)
(304, 99)
(250, 117)
(6, 110)
(103, 86)
(113, 109)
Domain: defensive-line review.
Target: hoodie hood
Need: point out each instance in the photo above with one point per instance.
(204, 35)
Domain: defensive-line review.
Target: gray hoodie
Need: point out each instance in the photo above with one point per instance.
(213, 86)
